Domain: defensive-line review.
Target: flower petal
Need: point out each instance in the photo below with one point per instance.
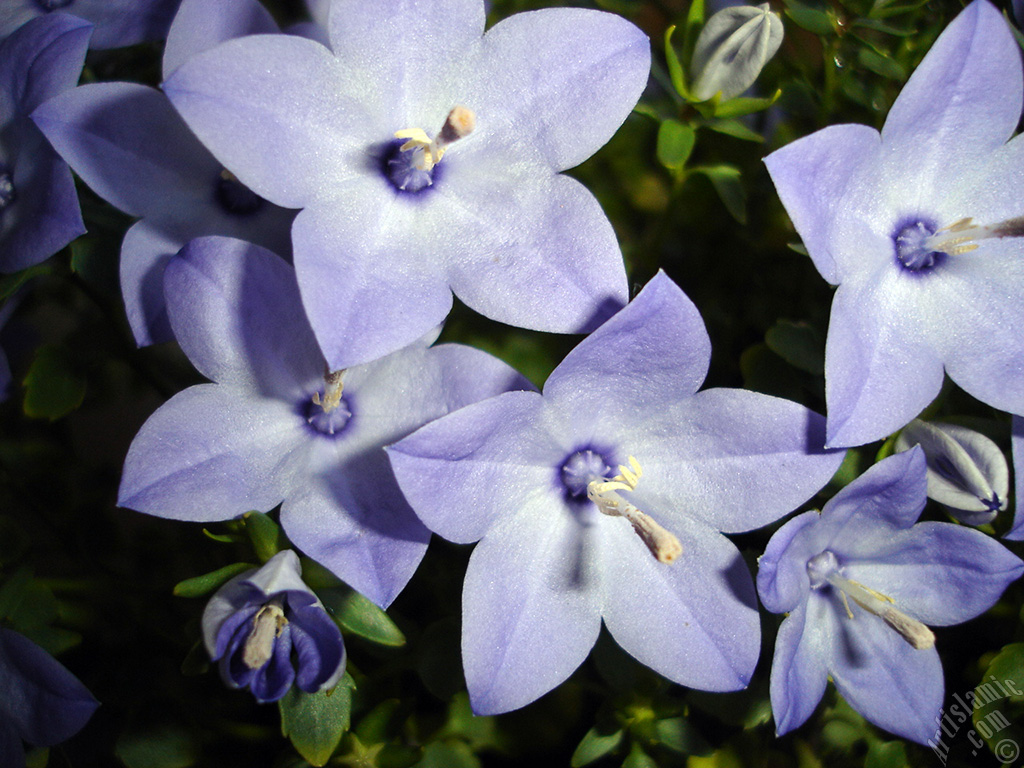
(1016, 532)
(236, 312)
(782, 580)
(559, 81)
(531, 606)
(799, 672)
(208, 454)
(693, 620)
(199, 25)
(42, 58)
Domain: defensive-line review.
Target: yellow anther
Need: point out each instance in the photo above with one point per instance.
(335, 385)
(461, 122)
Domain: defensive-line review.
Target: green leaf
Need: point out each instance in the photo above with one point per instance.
(380, 723)
(998, 703)
(638, 758)
(357, 614)
(675, 142)
(694, 23)
(881, 26)
(679, 735)
(198, 586)
(266, 535)
(161, 746)
(726, 181)
(594, 746)
(315, 722)
(886, 754)
(223, 538)
(881, 65)
(675, 67)
(53, 385)
(799, 344)
(448, 754)
(809, 18)
(745, 105)
(736, 129)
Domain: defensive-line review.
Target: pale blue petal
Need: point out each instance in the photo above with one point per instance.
(1016, 532)
(799, 668)
(782, 580)
(200, 25)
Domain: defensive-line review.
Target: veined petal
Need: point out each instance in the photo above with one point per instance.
(939, 573)
(409, 70)
(145, 251)
(491, 456)
(40, 59)
(209, 454)
(236, 312)
(550, 263)
(894, 685)
(199, 25)
(356, 522)
(559, 81)
(653, 352)
(287, 131)
(964, 99)
(531, 605)
(881, 369)
(734, 459)
(782, 580)
(693, 620)
(799, 668)
(811, 176)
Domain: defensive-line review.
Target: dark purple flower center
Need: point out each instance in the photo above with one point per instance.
(234, 197)
(7, 193)
(580, 468)
(910, 240)
(399, 168)
(53, 5)
(328, 423)
(820, 567)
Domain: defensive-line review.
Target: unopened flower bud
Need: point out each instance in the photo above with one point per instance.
(732, 49)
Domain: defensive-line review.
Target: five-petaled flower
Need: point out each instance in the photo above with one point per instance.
(920, 227)
(604, 498)
(277, 427)
(861, 582)
(426, 156)
(267, 630)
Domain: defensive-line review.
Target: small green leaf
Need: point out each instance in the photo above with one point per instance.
(161, 746)
(736, 129)
(998, 703)
(809, 18)
(266, 535)
(881, 26)
(198, 586)
(223, 538)
(315, 722)
(594, 746)
(380, 723)
(799, 344)
(675, 142)
(745, 105)
(679, 735)
(886, 754)
(726, 181)
(53, 385)
(675, 67)
(638, 758)
(694, 23)
(881, 65)
(448, 754)
(355, 613)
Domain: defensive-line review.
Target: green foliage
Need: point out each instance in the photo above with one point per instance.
(998, 702)
(54, 384)
(266, 536)
(675, 142)
(198, 586)
(351, 611)
(315, 722)
(161, 746)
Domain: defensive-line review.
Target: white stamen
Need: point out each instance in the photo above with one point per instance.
(960, 236)
(335, 385)
(460, 123)
(910, 629)
(663, 544)
(266, 628)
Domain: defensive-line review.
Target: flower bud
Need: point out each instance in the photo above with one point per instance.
(967, 472)
(732, 49)
(268, 630)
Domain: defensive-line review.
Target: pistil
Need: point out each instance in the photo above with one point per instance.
(334, 386)
(267, 626)
(428, 152)
(961, 236)
(604, 493)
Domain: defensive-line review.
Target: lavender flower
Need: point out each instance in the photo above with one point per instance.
(1016, 532)
(278, 426)
(128, 144)
(967, 472)
(118, 22)
(39, 211)
(426, 156)
(268, 630)
(567, 540)
(861, 582)
(42, 703)
(920, 228)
